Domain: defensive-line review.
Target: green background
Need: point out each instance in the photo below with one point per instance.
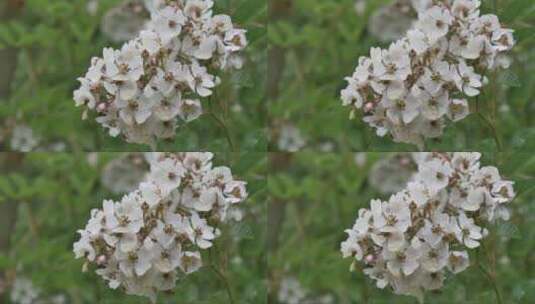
(54, 193)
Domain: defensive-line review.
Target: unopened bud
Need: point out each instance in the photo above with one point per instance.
(368, 107)
(102, 107)
(101, 260)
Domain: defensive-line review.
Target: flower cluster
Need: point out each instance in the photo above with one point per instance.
(290, 138)
(391, 174)
(157, 79)
(290, 291)
(124, 21)
(410, 241)
(23, 291)
(391, 21)
(123, 174)
(23, 138)
(155, 234)
(409, 89)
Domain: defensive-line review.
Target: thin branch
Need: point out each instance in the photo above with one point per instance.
(493, 129)
(221, 277)
(492, 281)
(32, 222)
(490, 277)
(226, 130)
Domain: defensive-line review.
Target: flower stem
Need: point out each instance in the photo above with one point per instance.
(226, 130)
(493, 130)
(493, 283)
(491, 277)
(221, 277)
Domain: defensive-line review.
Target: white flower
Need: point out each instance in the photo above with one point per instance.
(83, 247)
(203, 233)
(395, 64)
(404, 261)
(487, 175)
(167, 174)
(200, 81)
(403, 110)
(470, 234)
(150, 41)
(435, 175)
(351, 247)
(503, 191)
(235, 40)
(458, 261)
(458, 109)
(144, 257)
(475, 199)
(290, 291)
(168, 23)
(83, 96)
(435, 23)
(123, 90)
(418, 41)
(466, 161)
(151, 193)
(134, 111)
(167, 109)
(196, 9)
(235, 191)
(467, 80)
(24, 291)
(159, 78)
(434, 106)
(290, 139)
(190, 262)
(468, 47)
(167, 259)
(123, 174)
(396, 212)
(208, 199)
(23, 139)
(465, 8)
(435, 229)
(129, 60)
(436, 76)
(503, 39)
(189, 109)
(405, 242)
(415, 87)
(351, 96)
(129, 215)
(389, 237)
(143, 242)
(434, 258)
(419, 193)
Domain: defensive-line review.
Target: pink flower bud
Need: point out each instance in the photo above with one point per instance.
(102, 107)
(368, 107)
(101, 260)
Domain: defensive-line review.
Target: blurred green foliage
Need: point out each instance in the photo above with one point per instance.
(322, 193)
(322, 41)
(56, 41)
(54, 193)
